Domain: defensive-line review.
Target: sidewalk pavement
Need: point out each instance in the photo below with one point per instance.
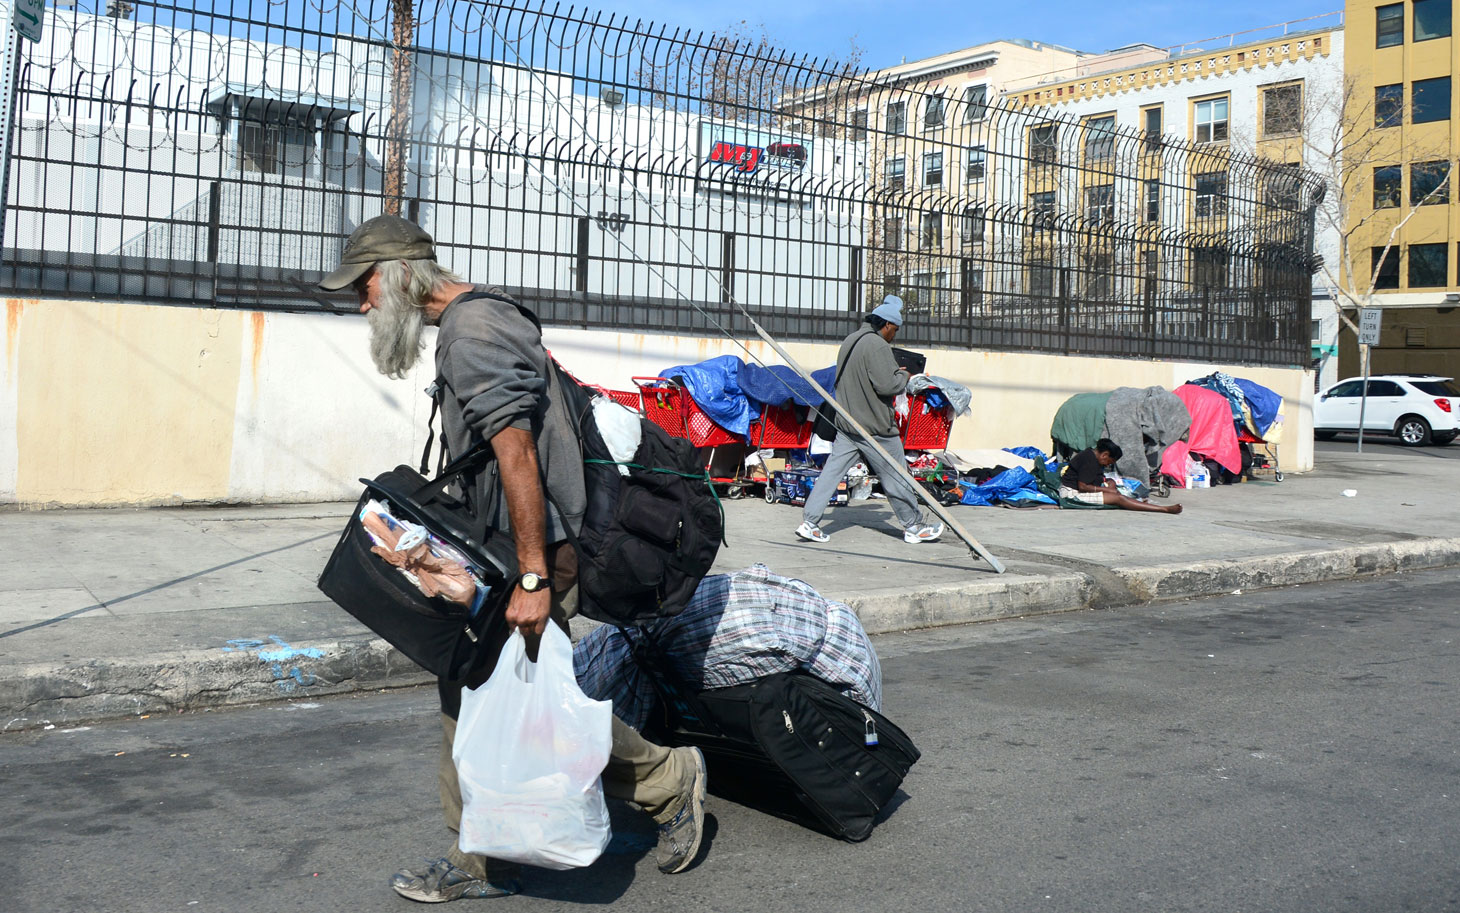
(110, 613)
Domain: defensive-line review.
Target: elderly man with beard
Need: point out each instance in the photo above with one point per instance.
(498, 388)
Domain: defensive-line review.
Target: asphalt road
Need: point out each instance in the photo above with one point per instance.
(1291, 750)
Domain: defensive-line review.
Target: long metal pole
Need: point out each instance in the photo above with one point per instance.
(1364, 398)
(937, 509)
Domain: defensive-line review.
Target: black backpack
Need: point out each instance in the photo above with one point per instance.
(648, 537)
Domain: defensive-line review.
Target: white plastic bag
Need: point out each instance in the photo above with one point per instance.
(530, 748)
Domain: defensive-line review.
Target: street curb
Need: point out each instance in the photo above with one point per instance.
(1212, 578)
(37, 695)
(41, 694)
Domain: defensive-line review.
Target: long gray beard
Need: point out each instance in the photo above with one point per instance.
(396, 328)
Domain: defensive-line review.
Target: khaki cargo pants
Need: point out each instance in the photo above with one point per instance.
(638, 771)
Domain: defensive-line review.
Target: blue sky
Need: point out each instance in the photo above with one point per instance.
(889, 30)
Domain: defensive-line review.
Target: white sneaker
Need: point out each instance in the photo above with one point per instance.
(811, 533)
(921, 534)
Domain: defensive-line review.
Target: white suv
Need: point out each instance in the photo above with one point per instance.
(1416, 408)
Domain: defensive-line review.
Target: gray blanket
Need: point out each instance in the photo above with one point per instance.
(1133, 414)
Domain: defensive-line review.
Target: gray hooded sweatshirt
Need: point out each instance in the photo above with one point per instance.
(867, 380)
(496, 375)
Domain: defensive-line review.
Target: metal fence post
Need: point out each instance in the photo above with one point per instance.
(1064, 306)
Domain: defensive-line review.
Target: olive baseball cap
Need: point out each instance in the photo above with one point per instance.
(380, 238)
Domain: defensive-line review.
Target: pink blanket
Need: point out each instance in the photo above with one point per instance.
(1212, 433)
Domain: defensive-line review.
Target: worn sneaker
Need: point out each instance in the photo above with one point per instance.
(922, 534)
(679, 837)
(443, 881)
(811, 533)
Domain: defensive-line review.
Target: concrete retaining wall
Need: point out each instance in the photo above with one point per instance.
(124, 404)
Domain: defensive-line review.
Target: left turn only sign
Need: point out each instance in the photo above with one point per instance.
(27, 18)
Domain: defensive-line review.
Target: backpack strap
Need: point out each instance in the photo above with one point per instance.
(435, 391)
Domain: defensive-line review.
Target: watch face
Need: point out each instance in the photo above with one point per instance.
(531, 582)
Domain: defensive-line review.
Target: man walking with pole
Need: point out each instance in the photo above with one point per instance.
(868, 378)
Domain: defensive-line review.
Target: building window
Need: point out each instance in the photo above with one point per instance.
(931, 235)
(975, 285)
(1429, 266)
(1389, 22)
(932, 169)
(933, 112)
(975, 103)
(896, 173)
(1043, 143)
(1150, 264)
(858, 124)
(1099, 281)
(1385, 268)
(892, 283)
(1041, 205)
(1429, 100)
(973, 225)
(1151, 126)
(977, 160)
(1431, 19)
(1389, 105)
(1282, 110)
(1388, 186)
(1211, 195)
(1280, 188)
(1152, 210)
(1211, 121)
(1041, 279)
(1209, 267)
(1100, 203)
(919, 289)
(1099, 138)
(271, 147)
(897, 117)
(1428, 183)
(892, 233)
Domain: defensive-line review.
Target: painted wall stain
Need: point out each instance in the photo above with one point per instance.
(258, 321)
(13, 309)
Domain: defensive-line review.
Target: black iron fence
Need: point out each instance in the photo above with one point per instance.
(621, 175)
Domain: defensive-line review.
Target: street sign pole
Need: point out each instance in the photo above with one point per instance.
(1364, 399)
(1369, 324)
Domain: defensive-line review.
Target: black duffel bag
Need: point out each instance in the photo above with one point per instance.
(787, 744)
(442, 637)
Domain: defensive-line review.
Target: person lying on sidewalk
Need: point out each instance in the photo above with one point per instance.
(1084, 480)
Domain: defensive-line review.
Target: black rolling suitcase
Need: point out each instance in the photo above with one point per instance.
(790, 745)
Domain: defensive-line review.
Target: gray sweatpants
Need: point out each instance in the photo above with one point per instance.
(845, 451)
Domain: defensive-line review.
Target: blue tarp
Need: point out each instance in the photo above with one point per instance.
(715, 386)
(774, 385)
(732, 392)
(1263, 403)
(1029, 453)
(1010, 485)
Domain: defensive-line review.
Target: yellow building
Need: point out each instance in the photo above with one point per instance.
(1397, 191)
(927, 125)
